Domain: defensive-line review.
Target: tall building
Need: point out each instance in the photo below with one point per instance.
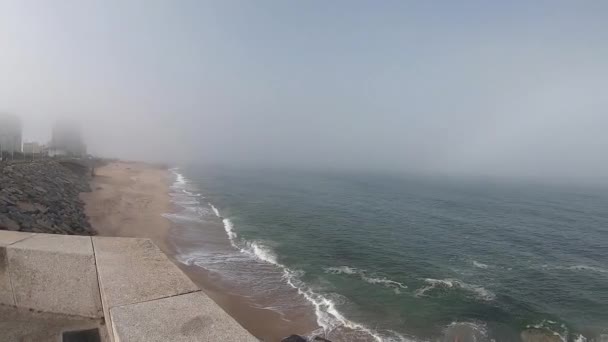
(10, 133)
(67, 140)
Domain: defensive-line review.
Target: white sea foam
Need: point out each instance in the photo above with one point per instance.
(477, 331)
(341, 270)
(395, 285)
(480, 265)
(191, 193)
(215, 211)
(180, 178)
(479, 291)
(229, 227)
(328, 316)
(178, 217)
(261, 252)
(554, 328)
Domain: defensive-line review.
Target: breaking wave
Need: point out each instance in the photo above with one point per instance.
(329, 318)
(215, 211)
(437, 284)
(480, 264)
(394, 285)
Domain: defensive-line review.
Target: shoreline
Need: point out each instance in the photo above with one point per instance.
(128, 199)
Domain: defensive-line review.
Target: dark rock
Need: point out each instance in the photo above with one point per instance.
(26, 207)
(43, 197)
(5, 200)
(8, 224)
(294, 338)
(39, 189)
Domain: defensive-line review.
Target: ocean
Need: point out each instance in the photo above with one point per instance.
(390, 258)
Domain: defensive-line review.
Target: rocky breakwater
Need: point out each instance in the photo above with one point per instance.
(43, 197)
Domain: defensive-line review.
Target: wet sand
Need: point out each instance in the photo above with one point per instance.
(128, 200)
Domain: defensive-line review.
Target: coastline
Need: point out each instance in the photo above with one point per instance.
(129, 199)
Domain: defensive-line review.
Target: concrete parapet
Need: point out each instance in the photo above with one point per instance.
(6, 290)
(188, 317)
(55, 273)
(130, 282)
(136, 270)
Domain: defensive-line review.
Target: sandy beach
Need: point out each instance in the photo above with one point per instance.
(128, 199)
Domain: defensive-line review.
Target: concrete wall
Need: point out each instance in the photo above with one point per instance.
(140, 292)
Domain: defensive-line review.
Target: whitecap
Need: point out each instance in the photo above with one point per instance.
(341, 270)
(480, 264)
(374, 280)
(479, 291)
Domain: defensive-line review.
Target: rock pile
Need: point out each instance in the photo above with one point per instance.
(43, 197)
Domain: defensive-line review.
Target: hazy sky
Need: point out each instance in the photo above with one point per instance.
(516, 88)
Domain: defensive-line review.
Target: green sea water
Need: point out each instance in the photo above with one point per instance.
(403, 258)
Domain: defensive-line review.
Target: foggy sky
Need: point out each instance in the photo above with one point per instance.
(490, 88)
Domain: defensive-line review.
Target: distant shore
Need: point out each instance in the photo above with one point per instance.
(128, 199)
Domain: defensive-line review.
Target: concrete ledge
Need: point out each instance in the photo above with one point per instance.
(6, 290)
(136, 270)
(190, 317)
(133, 271)
(141, 294)
(55, 273)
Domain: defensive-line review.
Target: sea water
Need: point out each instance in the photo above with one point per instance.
(395, 258)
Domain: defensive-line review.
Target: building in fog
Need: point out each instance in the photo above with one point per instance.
(67, 140)
(30, 148)
(10, 133)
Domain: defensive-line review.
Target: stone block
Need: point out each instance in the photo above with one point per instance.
(189, 317)
(6, 290)
(55, 273)
(135, 270)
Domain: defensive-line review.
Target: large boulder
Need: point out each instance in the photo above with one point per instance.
(8, 224)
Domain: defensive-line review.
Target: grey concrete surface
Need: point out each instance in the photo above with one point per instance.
(7, 238)
(22, 325)
(55, 273)
(61, 283)
(136, 270)
(185, 318)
